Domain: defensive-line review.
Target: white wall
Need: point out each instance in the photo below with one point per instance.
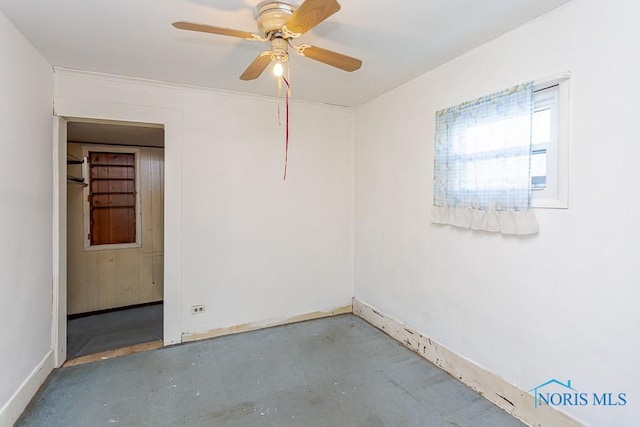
(26, 89)
(253, 247)
(562, 304)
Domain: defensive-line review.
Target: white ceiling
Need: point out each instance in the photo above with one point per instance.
(396, 40)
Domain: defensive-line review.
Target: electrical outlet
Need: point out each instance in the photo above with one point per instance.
(197, 309)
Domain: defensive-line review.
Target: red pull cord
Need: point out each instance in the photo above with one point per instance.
(286, 132)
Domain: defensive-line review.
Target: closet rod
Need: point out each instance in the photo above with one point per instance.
(76, 180)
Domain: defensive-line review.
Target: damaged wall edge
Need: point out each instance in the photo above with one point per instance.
(507, 396)
(254, 326)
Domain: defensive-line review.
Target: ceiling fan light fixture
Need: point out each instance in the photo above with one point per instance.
(280, 22)
(278, 69)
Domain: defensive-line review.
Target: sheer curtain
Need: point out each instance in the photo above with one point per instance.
(482, 163)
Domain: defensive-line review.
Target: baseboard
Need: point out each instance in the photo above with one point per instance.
(12, 410)
(517, 402)
(110, 354)
(246, 327)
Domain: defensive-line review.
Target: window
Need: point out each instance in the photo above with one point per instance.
(481, 163)
(550, 144)
(112, 200)
(498, 156)
(493, 156)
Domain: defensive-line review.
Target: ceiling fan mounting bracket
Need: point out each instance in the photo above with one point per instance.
(300, 49)
(288, 34)
(255, 37)
(271, 16)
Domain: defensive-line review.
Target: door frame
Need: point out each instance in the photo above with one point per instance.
(59, 324)
(171, 120)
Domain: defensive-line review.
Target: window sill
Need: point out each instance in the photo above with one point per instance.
(112, 247)
(549, 204)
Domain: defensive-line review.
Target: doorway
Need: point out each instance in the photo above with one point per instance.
(115, 235)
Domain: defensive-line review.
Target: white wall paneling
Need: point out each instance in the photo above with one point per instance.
(26, 226)
(561, 304)
(239, 239)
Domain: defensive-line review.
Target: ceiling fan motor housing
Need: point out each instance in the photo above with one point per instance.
(279, 49)
(271, 16)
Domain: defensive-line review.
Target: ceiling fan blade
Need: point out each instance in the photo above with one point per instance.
(309, 14)
(191, 26)
(258, 65)
(328, 57)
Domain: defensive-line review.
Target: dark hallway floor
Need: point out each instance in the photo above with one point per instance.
(113, 329)
(338, 371)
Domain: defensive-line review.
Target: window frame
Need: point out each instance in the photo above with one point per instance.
(556, 193)
(86, 211)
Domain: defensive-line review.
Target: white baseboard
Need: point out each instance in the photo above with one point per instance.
(18, 402)
(517, 402)
(246, 327)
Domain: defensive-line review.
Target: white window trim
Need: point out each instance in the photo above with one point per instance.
(556, 196)
(86, 211)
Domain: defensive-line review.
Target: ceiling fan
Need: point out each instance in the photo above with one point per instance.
(279, 23)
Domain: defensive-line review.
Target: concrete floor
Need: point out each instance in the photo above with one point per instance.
(114, 329)
(337, 371)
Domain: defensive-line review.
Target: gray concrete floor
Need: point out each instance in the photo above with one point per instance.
(337, 371)
(114, 329)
